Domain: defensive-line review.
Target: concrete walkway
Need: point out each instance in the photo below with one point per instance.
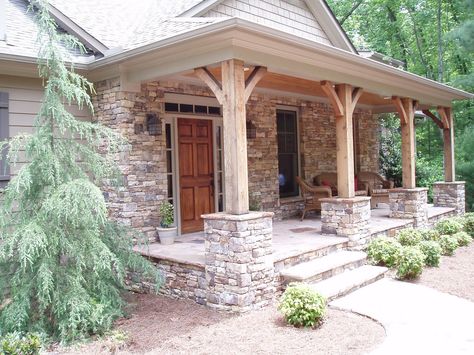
(418, 320)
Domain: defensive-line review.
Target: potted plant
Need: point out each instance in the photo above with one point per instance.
(166, 230)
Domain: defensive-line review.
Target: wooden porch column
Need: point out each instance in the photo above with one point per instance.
(445, 122)
(233, 94)
(406, 111)
(343, 98)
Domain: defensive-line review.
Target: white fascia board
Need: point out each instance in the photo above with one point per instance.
(200, 8)
(330, 24)
(3, 20)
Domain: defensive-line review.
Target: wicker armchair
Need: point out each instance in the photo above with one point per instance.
(330, 179)
(378, 187)
(311, 195)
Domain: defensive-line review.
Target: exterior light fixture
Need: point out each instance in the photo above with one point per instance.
(153, 124)
(251, 130)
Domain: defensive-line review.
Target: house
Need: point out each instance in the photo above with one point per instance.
(226, 101)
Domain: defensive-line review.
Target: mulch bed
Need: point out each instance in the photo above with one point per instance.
(161, 325)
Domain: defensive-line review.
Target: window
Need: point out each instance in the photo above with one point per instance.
(220, 169)
(196, 109)
(4, 133)
(287, 136)
(169, 162)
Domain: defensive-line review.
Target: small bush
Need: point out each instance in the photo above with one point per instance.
(409, 237)
(17, 344)
(468, 224)
(429, 234)
(448, 244)
(410, 262)
(432, 252)
(463, 238)
(384, 251)
(449, 226)
(302, 306)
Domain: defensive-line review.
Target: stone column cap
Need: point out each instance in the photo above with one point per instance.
(402, 189)
(345, 199)
(237, 217)
(449, 183)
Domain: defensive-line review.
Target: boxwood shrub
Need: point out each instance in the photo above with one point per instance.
(302, 306)
(429, 234)
(384, 251)
(409, 237)
(449, 226)
(432, 252)
(18, 344)
(463, 238)
(448, 244)
(468, 223)
(410, 262)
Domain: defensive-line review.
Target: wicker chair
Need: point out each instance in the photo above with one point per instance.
(311, 195)
(362, 188)
(378, 187)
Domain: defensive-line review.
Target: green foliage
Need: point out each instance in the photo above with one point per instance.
(448, 243)
(410, 262)
(432, 252)
(166, 214)
(463, 238)
(18, 344)
(429, 234)
(468, 223)
(409, 236)
(449, 226)
(465, 163)
(62, 262)
(384, 251)
(390, 149)
(301, 306)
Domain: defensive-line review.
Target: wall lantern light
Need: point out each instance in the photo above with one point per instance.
(153, 124)
(251, 130)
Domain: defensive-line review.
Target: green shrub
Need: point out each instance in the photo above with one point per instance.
(448, 244)
(16, 344)
(432, 252)
(410, 262)
(409, 237)
(463, 238)
(429, 234)
(302, 306)
(384, 251)
(449, 226)
(468, 224)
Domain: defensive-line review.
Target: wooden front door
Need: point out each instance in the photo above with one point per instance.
(196, 172)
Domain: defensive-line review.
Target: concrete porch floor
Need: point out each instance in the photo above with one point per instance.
(291, 237)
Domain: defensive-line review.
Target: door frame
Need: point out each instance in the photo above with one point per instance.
(172, 119)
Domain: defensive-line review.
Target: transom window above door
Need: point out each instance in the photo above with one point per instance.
(288, 165)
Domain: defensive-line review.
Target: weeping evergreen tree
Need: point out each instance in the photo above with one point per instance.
(62, 262)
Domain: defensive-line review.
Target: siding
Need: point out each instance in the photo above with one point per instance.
(292, 16)
(25, 97)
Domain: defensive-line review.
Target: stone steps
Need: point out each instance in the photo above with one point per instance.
(324, 267)
(349, 281)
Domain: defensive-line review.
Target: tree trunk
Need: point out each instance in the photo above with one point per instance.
(440, 44)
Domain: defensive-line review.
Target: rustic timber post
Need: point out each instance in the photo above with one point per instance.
(345, 215)
(450, 193)
(238, 250)
(343, 100)
(409, 201)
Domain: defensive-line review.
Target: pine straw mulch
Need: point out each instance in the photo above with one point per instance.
(159, 325)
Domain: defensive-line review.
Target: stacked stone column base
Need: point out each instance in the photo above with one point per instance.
(450, 194)
(346, 217)
(239, 265)
(410, 204)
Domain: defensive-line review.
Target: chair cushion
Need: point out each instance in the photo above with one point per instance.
(380, 191)
(361, 193)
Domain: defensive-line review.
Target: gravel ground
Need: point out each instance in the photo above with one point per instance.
(455, 274)
(158, 325)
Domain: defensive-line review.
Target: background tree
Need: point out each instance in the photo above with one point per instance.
(62, 262)
(435, 39)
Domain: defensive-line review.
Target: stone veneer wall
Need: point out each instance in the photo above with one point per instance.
(410, 203)
(143, 165)
(450, 194)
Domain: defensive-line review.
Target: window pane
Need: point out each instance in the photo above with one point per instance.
(200, 109)
(171, 107)
(170, 186)
(219, 183)
(220, 203)
(287, 153)
(218, 137)
(169, 164)
(219, 160)
(214, 110)
(168, 135)
(185, 108)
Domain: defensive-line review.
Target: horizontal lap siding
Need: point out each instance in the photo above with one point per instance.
(292, 16)
(25, 97)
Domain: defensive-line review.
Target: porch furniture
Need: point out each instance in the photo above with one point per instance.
(378, 187)
(311, 195)
(330, 179)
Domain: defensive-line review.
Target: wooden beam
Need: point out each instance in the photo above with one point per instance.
(444, 113)
(408, 143)
(235, 137)
(257, 74)
(356, 94)
(330, 92)
(435, 119)
(400, 109)
(205, 75)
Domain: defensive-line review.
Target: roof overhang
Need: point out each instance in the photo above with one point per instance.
(280, 52)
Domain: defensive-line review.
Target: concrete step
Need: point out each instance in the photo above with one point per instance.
(324, 267)
(342, 284)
